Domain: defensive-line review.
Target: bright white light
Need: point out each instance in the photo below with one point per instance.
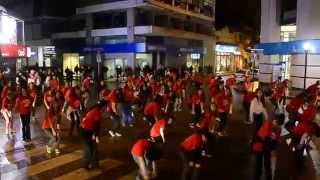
(8, 30)
(308, 46)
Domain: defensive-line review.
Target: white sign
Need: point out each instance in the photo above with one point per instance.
(8, 30)
(226, 48)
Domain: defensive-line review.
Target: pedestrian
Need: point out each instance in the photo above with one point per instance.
(264, 142)
(224, 108)
(90, 131)
(128, 98)
(51, 126)
(177, 90)
(113, 109)
(72, 107)
(197, 107)
(146, 153)
(152, 110)
(258, 112)
(157, 132)
(247, 98)
(191, 154)
(23, 106)
(6, 111)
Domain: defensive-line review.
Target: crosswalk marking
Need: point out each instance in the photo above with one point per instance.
(43, 166)
(82, 174)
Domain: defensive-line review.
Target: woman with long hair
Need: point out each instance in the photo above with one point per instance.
(258, 112)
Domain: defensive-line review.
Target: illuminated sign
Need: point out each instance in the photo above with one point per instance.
(8, 30)
(195, 56)
(13, 51)
(228, 49)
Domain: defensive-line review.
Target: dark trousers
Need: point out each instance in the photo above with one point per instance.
(115, 123)
(246, 108)
(90, 153)
(25, 121)
(223, 121)
(257, 121)
(197, 116)
(75, 121)
(260, 159)
(189, 172)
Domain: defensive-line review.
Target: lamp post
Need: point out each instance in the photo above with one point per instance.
(307, 48)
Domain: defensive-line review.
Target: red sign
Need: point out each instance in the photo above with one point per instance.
(13, 51)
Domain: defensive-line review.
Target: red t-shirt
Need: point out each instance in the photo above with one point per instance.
(223, 102)
(24, 104)
(6, 103)
(231, 82)
(177, 87)
(192, 143)
(48, 97)
(128, 94)
(155, 130)
(86, 83)
(140, 147)
(91, 121)
(151, 109)
(206, 121)
(249, 97)
(197, 100)
(54, 84)
(295, 104)
(103, 94)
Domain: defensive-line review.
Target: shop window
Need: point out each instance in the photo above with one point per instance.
(70, 60)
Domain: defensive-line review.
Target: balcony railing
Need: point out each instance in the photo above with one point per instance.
(205, 7)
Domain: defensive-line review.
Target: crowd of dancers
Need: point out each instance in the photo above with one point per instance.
(158, 97)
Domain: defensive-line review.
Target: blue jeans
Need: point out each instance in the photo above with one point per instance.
(127, 114)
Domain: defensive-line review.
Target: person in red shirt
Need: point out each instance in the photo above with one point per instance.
(224, 107)
(231, 81)
(54, 83)
(51, 126)
(32, 90)
(114, 99)
(72, 107)
(157, 131)
(128, 98)
(145, 153)
(6, 89)
(86, 83)
(264, 142)
(191, 154)
(23, 106)
(90, 129)
(6, 111)
(197, 107)
(152, 111)
(177, 90)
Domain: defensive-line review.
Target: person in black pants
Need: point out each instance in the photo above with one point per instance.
(90, 128)
(23, 105)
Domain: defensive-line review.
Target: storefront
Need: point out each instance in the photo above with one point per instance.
(42, 56)
(70, 61)
(13, 58)
(228, 59)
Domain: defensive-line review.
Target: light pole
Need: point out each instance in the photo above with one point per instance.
(307, 48)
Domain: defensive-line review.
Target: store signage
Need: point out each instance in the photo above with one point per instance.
(191, 50)
(49, 50)
(13, 51)
(226, 48)
(117, 48)
(195, 56)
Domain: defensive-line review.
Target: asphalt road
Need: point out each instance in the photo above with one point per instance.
(232, 159)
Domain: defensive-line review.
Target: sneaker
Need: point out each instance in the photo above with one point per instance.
(118, 134)
(130, 125)
(111, 133)
(49, 149)
(57, 151)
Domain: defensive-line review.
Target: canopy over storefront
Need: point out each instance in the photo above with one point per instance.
(292, 47)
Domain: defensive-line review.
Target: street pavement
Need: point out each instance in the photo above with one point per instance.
(232, 159)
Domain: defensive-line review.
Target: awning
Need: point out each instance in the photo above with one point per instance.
(292, 47)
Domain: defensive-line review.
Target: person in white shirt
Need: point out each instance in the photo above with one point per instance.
(258, 112)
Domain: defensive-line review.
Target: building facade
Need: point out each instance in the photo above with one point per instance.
(13, 51)
(130, 33)
(290, 41)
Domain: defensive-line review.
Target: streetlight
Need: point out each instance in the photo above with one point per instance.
(308, 47)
